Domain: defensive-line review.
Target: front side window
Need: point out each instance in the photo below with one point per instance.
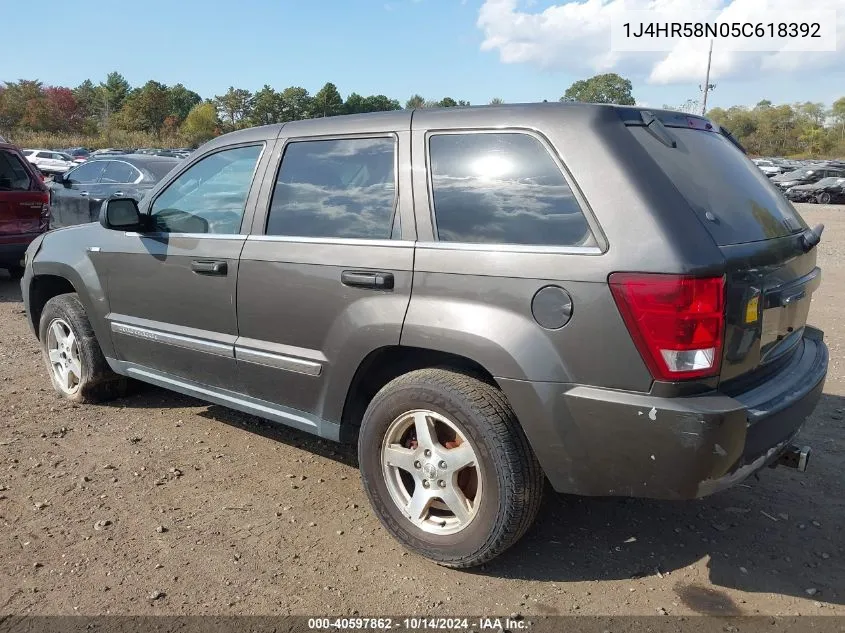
(86, 174)
(118, 172)
(502, 188)
(13, 175)
(210, 196)
(44, 155)
(344, 188)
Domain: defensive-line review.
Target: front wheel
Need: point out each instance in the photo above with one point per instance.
(823, 198)
(447, 468)
(77, 367)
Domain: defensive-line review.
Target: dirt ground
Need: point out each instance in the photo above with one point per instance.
(160, 504)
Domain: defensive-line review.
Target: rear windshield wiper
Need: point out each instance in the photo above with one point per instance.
(656, 127)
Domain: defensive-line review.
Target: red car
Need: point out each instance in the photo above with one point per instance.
(24, 208)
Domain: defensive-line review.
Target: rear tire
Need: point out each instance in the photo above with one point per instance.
(78, 370)
(475, 508)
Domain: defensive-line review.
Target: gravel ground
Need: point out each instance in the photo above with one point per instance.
(160, 504)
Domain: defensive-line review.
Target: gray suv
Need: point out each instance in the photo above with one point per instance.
(609, 298)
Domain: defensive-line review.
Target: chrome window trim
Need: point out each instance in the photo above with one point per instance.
(193, 236)
(510, 248)
(349, 241)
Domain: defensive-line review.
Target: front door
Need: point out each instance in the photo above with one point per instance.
(172, 290)
(325, 279)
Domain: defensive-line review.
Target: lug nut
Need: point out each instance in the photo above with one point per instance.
(427, 453)
(441, 483)
(417, 464)
(442, 464)
(425, 483)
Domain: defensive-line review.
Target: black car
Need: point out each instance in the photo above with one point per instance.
(825, 191)
(808, 175)
(77, 195)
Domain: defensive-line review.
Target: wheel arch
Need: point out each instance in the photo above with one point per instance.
(384, 364)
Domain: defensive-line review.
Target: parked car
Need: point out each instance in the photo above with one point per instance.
(79, 154)
(461, 294)
(78, 194)
(48, 161)
(807, 175)
(24, 208)
(825, 191)
(767, 167)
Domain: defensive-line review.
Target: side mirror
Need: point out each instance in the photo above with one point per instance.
(121, 214)
(61, 179)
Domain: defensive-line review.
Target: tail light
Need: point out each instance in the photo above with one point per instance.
(676, 322)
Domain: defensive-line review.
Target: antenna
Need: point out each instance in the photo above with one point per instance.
(707, 85)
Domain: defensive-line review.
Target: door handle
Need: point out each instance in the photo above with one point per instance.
(367, 279)
(83, 193)
(117, 194)
(205, 267)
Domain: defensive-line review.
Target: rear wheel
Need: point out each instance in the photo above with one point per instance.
(77, 367)
(447, 467)
(823, 198)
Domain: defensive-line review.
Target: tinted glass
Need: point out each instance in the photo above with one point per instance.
(86, 173)
(341, 188)
(44, 155)
(158, 169)
(210, 196)
(13, 175)
(714, 176)
(502, 188)
(118, 172)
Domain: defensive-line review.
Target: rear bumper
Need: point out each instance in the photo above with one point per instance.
(599, 442)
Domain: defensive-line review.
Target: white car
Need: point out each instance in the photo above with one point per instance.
(767, 167)
(48, 161)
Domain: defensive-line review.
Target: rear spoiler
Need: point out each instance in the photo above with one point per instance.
(658, 120)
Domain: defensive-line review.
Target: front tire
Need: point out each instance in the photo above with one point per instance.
(447, 467)
(78, 370)
(823, 198)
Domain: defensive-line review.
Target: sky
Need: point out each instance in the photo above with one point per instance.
(517, 50)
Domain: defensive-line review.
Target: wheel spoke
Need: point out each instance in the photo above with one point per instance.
(75, 368)
(64, 377)
(417, 507)
(71, 340)
(55, 356)
(58, 333)
(400, 457)
(426, 434)
(460, 457)
(456, 501)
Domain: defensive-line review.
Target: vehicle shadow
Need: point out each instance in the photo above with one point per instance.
(779, 533)
(10, 289)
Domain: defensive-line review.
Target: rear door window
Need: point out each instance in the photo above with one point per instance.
(118, 172)
(13, 174)
(716, 178)
(502, 188)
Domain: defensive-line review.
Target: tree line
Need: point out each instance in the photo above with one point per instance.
(172, 114)
(154, 113)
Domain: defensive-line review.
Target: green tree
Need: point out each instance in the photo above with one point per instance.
(354, 104)
(837, 113)
(416, 101)
(497, 101)
(201, 124)
(380, 103)
(86, 99)
(266, 107)
(327, 102)
(447, 102)
(234, 107)
(181, 100)
(145, 109)
(113, 92)
(607, 88)
(294, 103)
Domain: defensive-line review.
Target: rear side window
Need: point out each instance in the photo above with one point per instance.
(502, 188)
(344, 188)
(118, 172)
(13, 174)
(716, 178)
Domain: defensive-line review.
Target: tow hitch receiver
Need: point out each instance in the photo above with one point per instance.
(797, 457)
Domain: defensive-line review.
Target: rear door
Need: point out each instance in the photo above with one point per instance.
(770, 278)
(325, 279)
(71, 198)
(22, 201)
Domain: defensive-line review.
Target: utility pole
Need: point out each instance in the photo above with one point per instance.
(707, 85)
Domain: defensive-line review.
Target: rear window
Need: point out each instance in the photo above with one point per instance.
(715, 177)
(13, 175)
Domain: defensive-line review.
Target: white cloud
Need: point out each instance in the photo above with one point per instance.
(575, 36)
